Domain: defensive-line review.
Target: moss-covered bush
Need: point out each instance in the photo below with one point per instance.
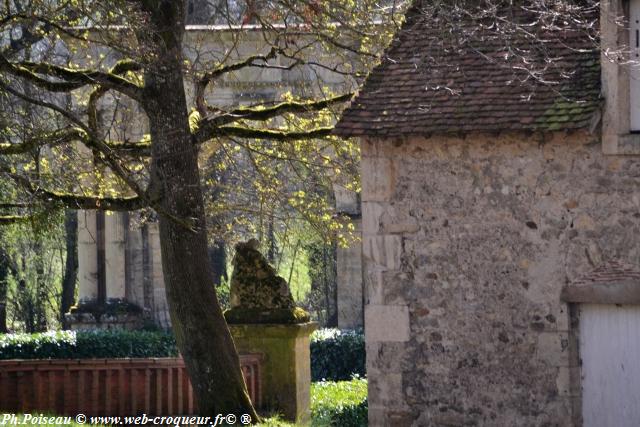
(337, 355)
(87, 345)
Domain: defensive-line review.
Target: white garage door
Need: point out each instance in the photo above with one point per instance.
(610, 353)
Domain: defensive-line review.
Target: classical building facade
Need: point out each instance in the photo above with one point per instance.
(119, 254)
(489, 195)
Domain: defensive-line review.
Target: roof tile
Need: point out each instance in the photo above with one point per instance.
(425, 89)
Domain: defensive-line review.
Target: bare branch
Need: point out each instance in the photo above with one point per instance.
(74, 201)
(56, 137)
(46, 104)
(207, 78)
(47, 23)
(121, 67)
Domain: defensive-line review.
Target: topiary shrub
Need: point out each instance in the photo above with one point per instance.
(87, 345)
(337, 355)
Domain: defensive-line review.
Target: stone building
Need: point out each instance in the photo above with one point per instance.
(120, 259)
(485, 193)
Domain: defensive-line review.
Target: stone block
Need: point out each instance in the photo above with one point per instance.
(384, 251)
(377, 415)
(347, 201)
(286, 367)
(386, 390)
(350, 286)
(371, 214)
(553, 348)
(386, 323)
(386, 356)
(374, 285)
(378, 179)
(563, 381)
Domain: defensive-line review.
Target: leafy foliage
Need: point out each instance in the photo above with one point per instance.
(337, 355)
(31, 271)
(87, 345)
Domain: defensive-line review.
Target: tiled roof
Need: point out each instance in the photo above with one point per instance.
(610, 272)
(612, 283)
(425, 85)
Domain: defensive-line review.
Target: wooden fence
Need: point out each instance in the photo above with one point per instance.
(107, 386)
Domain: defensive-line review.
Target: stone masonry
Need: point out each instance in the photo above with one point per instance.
(468, 243)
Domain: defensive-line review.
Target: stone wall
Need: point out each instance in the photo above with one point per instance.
(467, 244)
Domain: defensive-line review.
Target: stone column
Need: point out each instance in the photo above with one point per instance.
(349, 264)
(349, 278)
(286, 365)
(134, 268)
(112, 310)
(114, 232)
(87, 257)
(386, 318)
(159, 307)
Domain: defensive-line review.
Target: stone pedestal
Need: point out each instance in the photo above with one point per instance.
(90, 322)
(286, 366)
(114, 314)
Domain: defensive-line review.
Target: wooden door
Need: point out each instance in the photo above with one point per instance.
(634, 83)
(610, 353)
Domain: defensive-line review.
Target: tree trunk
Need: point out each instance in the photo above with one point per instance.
(71, 265)
(218, 260)
(198, 323)
(271, 239)
(5, 271)
(39, 303)
(26, 310)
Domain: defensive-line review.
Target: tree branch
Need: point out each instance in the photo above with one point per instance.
(62, 136)
(245, 132)
(74, 201)
(261, 114)
(57, 137)
(73, 79)
(45, 104)
(206, 78)
(121, 67)
(12, 219)
(47, 23)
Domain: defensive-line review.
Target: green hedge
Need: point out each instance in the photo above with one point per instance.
(87, 345)
(337, 355)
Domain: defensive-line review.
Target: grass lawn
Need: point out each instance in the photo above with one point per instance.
(341, 403)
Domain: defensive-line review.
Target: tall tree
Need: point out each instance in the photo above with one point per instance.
(70, 276)
(94, 59)
(5, 271)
